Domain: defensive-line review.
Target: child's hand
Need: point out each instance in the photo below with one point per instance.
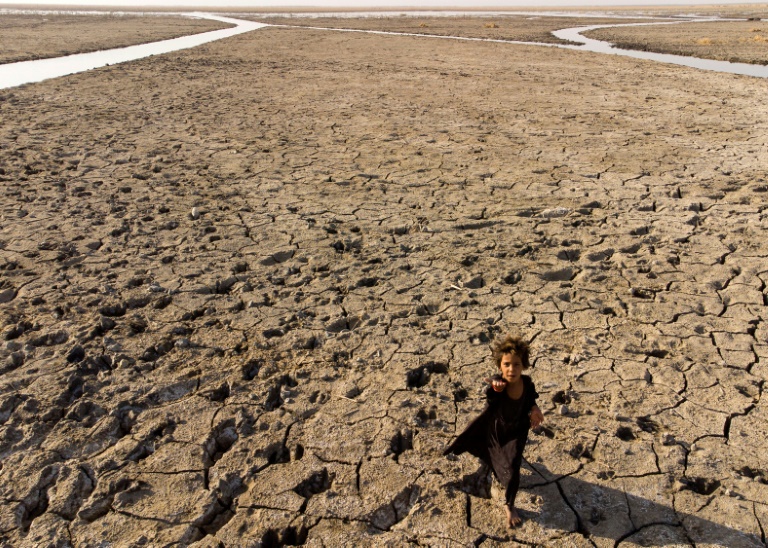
(537, 417)
(497, 384)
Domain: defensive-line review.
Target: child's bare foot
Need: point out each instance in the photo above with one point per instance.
(513, 518)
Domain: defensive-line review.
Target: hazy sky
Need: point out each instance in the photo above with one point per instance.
(367, 4)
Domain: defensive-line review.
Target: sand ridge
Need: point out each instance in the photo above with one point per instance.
(248, 289)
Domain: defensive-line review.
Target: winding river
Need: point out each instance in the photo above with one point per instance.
(25, 72)
(598, 46)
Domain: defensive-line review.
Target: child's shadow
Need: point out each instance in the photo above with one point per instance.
(609, 509)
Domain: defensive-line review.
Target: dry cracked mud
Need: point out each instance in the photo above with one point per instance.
(247, 292)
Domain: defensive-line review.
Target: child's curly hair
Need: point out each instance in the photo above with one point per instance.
(511, 345)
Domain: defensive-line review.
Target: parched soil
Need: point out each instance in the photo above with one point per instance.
(521, 28)
(26, 37)
(247, 292)
(736, 41)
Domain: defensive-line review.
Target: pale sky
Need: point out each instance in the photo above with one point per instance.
(370, 4)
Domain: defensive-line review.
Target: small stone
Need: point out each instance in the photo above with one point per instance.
(76, 354)
(183, 343)
(648, 377)
(474, 283)
(267, 371)
(112, 345)
(625, 433)
(195, 214)
(13, 346)
(563, 409)
(555, 212)
(7, 295)
(668, 439)
(15, 359)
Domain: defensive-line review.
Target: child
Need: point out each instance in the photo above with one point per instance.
(499, 434)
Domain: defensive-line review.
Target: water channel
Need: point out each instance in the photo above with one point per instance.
(598, 46)
(25, 72)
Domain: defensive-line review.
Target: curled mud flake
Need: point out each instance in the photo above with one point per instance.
(640, 293)
(100, 502)
(401, 442)
(15, 331)
(250, 369)
(275, 453)
(113, 310)
(760, 476)
(416, 378)
(647, 424)
(560, 275)
(279, 392)
(460, 394)
(625, 433)
(76, 354)
(315, 484)
(13, 361)
(699, 485)
(85, 412)
(581, 451)
(50, 339)
(218, 394)
(72, 488)
(36, 502)
(221, 440)
(512, 278)
(7, 294)
(290, 536)
(544, 431)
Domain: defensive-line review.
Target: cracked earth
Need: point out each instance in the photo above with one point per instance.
(247, 292)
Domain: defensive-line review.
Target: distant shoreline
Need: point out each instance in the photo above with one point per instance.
(585, 8)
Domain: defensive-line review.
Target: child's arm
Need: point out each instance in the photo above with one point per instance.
(537, 417)
(497, 383)
(496, 386)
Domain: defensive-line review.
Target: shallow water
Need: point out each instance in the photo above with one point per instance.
(26, 72)
(598, 46)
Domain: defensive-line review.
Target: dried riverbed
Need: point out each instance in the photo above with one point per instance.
(246, 292)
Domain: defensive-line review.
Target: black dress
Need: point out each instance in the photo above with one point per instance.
(499, 434)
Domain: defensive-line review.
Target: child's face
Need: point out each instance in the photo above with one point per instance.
(511, 367)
